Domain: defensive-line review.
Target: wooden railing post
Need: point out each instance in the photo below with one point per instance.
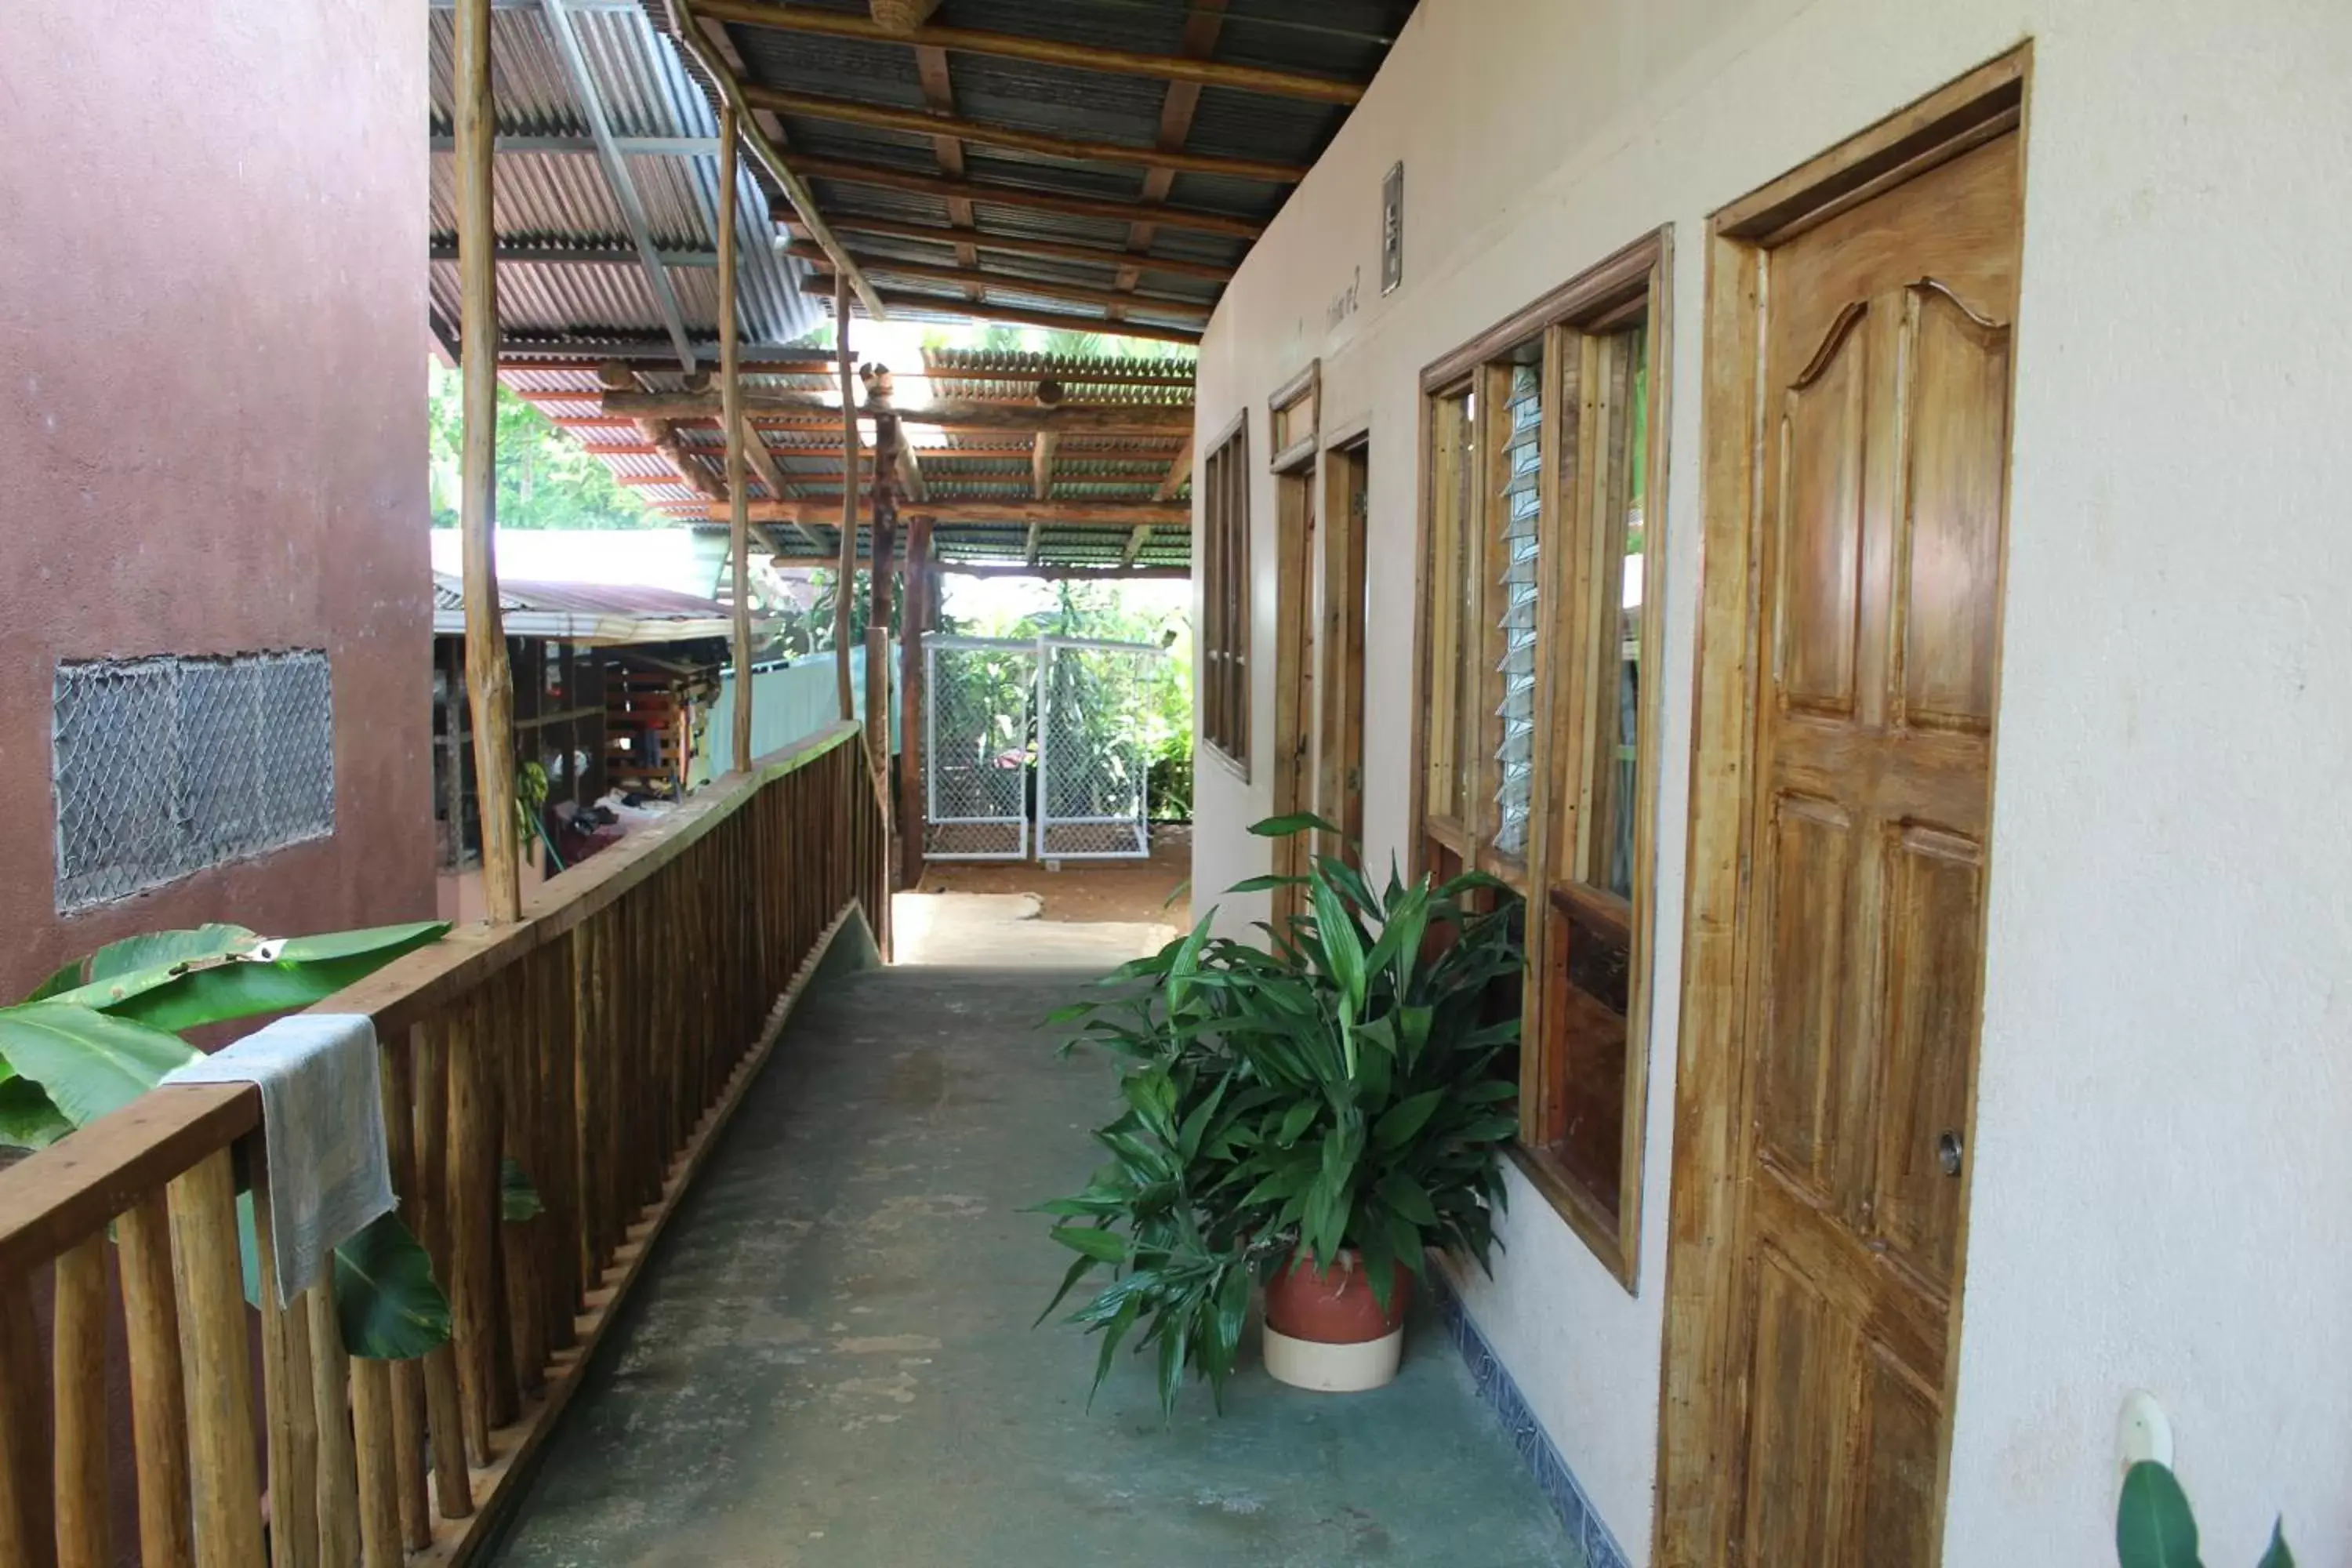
(227, 1482)
(151, 1312)
(846, 580)
(83, 1496)
(289, 1396)
(739, 500)
(489, 681)
(27, 1530)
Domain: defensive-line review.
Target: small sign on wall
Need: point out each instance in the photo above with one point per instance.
(1392, 229)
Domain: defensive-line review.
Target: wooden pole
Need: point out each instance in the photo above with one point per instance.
(847, 580)
(150, 1314)
(489, 682)
(222, 1466)
(27, 1498)
(739, 499)
(914, 620)
(84, 1496)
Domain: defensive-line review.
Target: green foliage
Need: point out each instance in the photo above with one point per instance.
(387, 1302)
(2156, 1529)
(1347, 1090)
(545, 478)
(100, 1033)
(518, 1199)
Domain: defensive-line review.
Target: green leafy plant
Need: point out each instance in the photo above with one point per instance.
(102, 1031)
(1344, 1087)
(2154, 1528)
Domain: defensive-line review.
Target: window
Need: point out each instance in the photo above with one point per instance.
(1538, 644)
(1224, 611)
(164, 766)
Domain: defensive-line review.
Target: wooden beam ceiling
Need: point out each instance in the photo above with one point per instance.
(954, 414)
(1022, 245)
(1077, 149)
(849, 171)
(1044, 289)
(1015, 513)
(1041, 51)
(1176, 112)
(1055, 320)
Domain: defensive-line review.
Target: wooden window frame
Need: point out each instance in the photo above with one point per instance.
(1223, 720)
(1709, 1097)
(1632, 284)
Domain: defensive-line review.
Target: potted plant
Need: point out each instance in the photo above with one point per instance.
(1314, 1114)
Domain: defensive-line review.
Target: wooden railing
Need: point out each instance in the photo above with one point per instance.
(599, 1045)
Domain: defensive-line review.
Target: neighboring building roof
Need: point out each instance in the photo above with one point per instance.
(599, 614)
(995, 471)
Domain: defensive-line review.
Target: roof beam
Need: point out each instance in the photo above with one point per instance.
(1176, 111)
(1040, 464)
(1043, 51)
(712, 54)
(939, 97)
(1135, 543)
(1057, 320)
(1178, 470)
(1010, 514)
(628, 146)
(956, 413)
(616, 173)
(1077, 149)
(1045, 289)
(1022, 245)
(581, 254)
(850, 172)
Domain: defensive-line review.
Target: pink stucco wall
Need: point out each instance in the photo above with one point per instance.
(212, 416)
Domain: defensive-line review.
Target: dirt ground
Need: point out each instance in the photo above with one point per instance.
(1087, 890)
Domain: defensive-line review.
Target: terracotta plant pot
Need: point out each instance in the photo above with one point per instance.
(1325, 1330)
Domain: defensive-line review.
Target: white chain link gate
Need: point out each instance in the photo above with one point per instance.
(1090, 701)
(976, 747)
(1093, 771)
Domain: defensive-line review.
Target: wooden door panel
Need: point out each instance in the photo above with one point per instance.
(1934, 913)
(1824, 424)
(1901, 1448)
(1805, 909)
(1958, 405)
(1885, 377)
(1798, 1340)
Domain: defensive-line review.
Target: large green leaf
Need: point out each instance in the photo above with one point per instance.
(1102, 1246)
(28, 1119)
(88, 1062)
(162, 949)
(57, 985)
(1284, 827)
(2277, 1556)
(300, 971)
(386, 1298)
(2154, 1528)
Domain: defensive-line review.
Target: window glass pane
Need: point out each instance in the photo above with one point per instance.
(1617, 515)
(1520, 431)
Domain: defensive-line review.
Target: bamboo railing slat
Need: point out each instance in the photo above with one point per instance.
(601, 1043)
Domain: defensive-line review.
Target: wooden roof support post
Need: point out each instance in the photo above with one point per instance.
(489, 682)
(845, 582)
(887, 438)
(731, 389)
(919, 610)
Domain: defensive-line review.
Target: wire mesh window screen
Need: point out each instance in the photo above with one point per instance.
(1515, 587)
(164, 766)
(978, 748)
(1093, 768)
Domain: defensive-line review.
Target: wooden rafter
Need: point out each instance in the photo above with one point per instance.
(1013, 512)
(1176, 112)
(1057, 320)
(1022, 245)
(1179, 470)
(1041, 464)
(1068, 419)
(849, 171)
(1079, 150)
(720, 62)
(1044, 51)
(890, 266)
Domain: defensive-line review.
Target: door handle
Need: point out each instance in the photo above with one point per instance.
(1947, 1153)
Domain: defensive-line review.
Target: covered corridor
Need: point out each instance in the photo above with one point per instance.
(830, 1361)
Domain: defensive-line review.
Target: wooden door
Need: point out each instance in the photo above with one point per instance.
(1339, 680)
(1294, 676)
(1886, 348)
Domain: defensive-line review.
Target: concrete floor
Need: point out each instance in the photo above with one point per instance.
(831, 1363)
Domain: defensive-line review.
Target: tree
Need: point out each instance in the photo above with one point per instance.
(546, 480)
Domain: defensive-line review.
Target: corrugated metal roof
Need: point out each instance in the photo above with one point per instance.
(566, 199)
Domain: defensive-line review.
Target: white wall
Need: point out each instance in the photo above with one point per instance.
(2163, 1170)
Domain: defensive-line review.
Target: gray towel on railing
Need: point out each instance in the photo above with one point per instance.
(323, 1124)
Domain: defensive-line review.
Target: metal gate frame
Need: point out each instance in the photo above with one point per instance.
(1048, 650)
(933, 642)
